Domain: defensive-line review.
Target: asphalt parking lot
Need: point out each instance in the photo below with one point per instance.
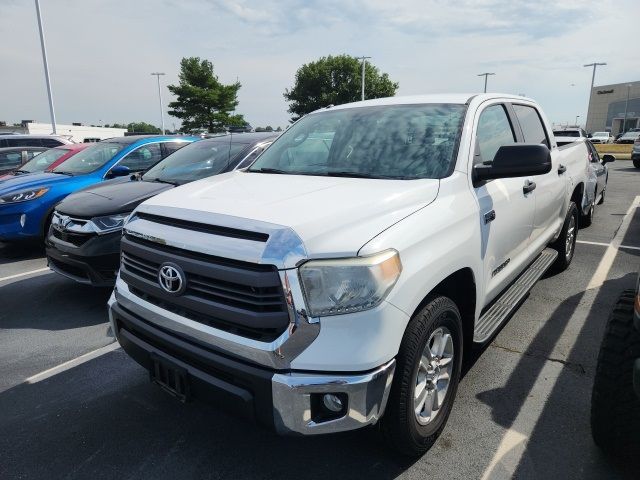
(522, 409)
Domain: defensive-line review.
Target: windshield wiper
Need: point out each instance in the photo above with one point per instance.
(21, 172)
(175, 184)
(58, 172)
(362, 175)
(270, 170)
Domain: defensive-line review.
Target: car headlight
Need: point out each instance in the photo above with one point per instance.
(110, 223)
(335, 287)
(24, 195)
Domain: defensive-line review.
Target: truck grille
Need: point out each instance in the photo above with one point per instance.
(240, 297)
(77, 239)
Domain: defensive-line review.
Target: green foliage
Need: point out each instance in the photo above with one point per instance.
(279, 129)
(335, 80)
(203, 103)
(142, 127)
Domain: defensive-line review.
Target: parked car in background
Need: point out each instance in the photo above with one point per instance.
(83, 242)
(615, 398)
(47, 160)
(629, 137)
(12, 158)
(635, 153)
(27, 201)
(596, 186)
(340, 280)
(47, 141)
(601, 137)
(568, 135)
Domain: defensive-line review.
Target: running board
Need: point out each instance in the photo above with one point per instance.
(512, 297)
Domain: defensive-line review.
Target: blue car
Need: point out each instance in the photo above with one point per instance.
(27, 201)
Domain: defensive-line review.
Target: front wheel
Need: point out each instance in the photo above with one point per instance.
(566, 242)
(426, 378)
(636, 163)
(587, 220)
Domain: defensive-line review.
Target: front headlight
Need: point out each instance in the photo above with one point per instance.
(24, 195)
(110, 223)
(335, 287)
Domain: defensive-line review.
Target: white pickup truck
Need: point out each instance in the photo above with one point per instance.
(341, 280)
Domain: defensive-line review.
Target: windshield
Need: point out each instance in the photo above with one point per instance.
(601, 134)
(566, 133)
(631, 135)
(393, 142)
(90, 159)
(195, 161)
(40, 162)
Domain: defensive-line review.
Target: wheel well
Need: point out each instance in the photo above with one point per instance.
(460, 287)
(577, 195)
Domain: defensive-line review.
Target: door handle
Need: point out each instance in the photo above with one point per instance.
(528, 187)
(561, 169)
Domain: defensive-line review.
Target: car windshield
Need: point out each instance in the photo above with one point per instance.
(566, 133)
(631, 135)
(90, 159)
(40, 162)
(390, 142)
(195, 161)
(601, 134)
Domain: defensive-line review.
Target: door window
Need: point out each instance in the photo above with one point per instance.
(51, 142)
(10, 160)
(142, 157)
(24, 142)
(494, 131)
(531, 125)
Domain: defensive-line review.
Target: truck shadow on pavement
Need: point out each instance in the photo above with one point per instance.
(12, 252)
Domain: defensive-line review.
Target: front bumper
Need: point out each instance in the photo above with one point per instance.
(635, 155)
(94, 261)
(23, 220)
(284, 400)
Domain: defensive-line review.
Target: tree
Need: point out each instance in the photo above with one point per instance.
(202, 101)
(335, 80)
(142, 127)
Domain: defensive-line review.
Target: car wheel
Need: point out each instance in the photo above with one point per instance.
(604, 190)
(587, 220)
(615, 408)
(636, 163)
(566, 242)
(426, 378)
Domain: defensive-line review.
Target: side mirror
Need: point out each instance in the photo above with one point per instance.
(608, 158)
(589, 135)
(118, 171)
(517, 160)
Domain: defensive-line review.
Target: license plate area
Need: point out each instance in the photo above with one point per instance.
(172, 378)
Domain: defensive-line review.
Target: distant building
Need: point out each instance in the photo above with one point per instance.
(608, 104)
(77, 132)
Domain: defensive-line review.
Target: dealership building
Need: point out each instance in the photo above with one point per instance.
(76, 131)
(608, 104)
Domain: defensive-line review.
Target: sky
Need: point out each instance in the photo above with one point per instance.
(101, 52)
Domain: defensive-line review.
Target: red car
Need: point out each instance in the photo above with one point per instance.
(47, 160)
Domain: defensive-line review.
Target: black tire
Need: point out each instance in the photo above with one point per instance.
(604, 190)
(399, 425)
(565, 254)
(636, 163)
(615, 408)
(587, 220)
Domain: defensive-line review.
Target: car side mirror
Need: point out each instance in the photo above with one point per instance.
(517, 160)
(589, 135)
(118, 171)
(608, 158)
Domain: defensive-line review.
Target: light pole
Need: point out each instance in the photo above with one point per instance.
(577, 117)
(364, 61)
(46, 68)
(157, 74)
(626, 108)
(593, 78)
(485, 75)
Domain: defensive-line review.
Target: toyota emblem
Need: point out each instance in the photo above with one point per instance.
(171, 278)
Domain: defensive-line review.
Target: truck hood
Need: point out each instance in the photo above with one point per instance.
(332, 216)
(32, 180)
(110, 198)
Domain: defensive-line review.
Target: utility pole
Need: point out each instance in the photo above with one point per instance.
(593, 78)
(157, 74)
(364, 61)
(46, 68)
(485, 75)
(577, 117)
(626, 108)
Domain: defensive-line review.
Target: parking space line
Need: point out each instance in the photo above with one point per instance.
(24, 274)
(38, 377)
(602, 244)
(514, 441)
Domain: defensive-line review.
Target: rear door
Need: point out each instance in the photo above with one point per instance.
(596, 166)
(550, 190)
(506, 211)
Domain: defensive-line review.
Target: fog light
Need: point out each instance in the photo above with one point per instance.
(23, 220)
(332, 402)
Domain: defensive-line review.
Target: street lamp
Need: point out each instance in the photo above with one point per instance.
(157, 74)
(626, 108)
(485, 75)
(46, 68)
(593, 78)
(364, 61)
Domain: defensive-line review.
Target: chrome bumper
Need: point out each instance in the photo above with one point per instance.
(367, 396)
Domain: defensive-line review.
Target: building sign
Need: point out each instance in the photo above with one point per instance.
(603, 92)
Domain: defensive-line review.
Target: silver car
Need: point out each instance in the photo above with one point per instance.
(596, 187)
